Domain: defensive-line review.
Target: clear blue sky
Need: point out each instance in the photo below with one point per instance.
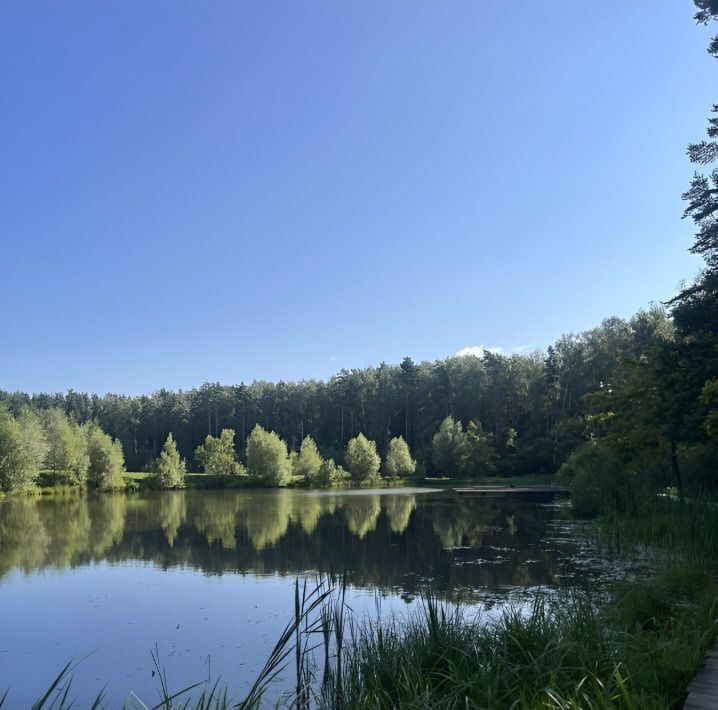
(231, 190)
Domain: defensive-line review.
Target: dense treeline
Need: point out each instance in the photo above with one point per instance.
(527, 412)
(53, 443)
(660, 421)
(77, 455)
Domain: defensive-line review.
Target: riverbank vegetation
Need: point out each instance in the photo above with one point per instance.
(83, 455)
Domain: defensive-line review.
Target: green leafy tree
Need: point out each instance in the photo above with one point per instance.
(330, 475)
(709, 398)
(409, 376)
(398, 462)
(107, 462)
(22, 450)
(308, 461)
(597, 478)
(170, 468)
(67, 447)
(361, 459)
(267, 457)
(481, 455)
(218, 456)
(449, 448)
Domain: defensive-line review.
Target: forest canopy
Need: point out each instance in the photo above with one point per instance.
(514, 414)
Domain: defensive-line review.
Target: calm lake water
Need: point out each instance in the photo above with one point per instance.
(207, 577)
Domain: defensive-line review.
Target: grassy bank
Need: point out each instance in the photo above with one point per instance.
(640, 651)
(54, 483)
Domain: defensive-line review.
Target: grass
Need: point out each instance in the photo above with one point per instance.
(51, 483)
(687, 530)
(564, 654)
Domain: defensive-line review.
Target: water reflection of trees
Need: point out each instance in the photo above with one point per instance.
(107, 523)
(267, 521)
(24, 538)
(389, 541)
(215, 516)
(398, 511)
(39, 534)
(171, 513)
(362, 513)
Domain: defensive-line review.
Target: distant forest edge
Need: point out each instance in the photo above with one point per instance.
(532, 410)
(636, 389)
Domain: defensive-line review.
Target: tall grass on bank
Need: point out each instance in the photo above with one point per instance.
(641, 651)
(666, 526)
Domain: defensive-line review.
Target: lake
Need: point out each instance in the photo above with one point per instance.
(207, 577)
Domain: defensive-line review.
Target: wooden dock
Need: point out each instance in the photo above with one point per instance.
(703, 690)
(503, 491)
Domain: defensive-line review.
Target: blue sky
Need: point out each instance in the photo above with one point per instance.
(231, 191)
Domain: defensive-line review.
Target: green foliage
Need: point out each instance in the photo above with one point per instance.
(107, 462)
(308, 462)
(566, 653)
(480, 453)
(709, 399)
(597, 479)
(398, 462)
(361, 459)
(218, 456)
(67, 448)
(449, 448)
(170, 469)
(532, 407)
(267, 457)
(22, 450)
(540, 399)
(330, 475)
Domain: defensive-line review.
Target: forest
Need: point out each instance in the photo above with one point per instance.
(643, 391)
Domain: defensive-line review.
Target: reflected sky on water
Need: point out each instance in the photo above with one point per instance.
(208, 575)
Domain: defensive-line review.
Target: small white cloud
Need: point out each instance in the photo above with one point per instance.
(479, 351)
(332, 358)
